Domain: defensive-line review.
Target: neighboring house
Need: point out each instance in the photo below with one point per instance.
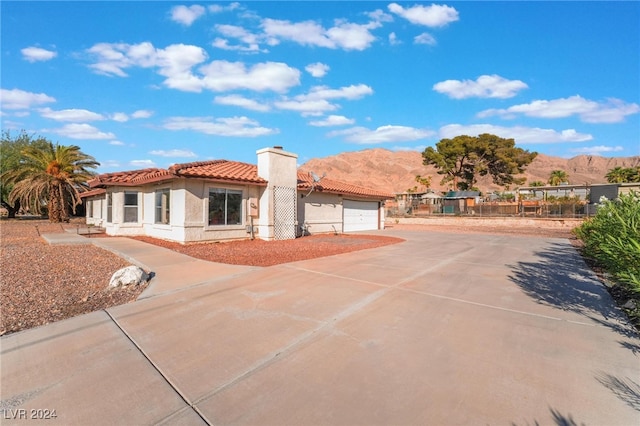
(460, 201)
(221, 200)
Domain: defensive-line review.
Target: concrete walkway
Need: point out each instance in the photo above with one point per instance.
(440, 329)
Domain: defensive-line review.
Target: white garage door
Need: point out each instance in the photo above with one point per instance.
(360, 215)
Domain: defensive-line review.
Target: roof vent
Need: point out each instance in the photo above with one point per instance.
(277, 147)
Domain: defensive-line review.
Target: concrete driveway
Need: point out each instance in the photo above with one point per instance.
(442, 329)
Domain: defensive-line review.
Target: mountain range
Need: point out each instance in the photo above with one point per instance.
(396, 171)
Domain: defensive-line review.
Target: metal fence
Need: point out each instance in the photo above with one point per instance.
(498, 209)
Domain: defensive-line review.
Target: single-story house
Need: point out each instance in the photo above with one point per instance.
(222, 200)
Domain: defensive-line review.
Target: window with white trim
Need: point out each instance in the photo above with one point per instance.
(130, 206)
(225, 206)
(163, 206)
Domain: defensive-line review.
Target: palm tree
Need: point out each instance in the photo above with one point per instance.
(557, 177)
(53, 175)
(616, 175)
(424, 181)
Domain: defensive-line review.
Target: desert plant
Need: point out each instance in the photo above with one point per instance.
(612, 238)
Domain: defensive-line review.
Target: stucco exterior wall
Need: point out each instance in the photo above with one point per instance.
(320, 213)
(189, 204)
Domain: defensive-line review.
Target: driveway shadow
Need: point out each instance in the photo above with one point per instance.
(561, 279)
(625, 389)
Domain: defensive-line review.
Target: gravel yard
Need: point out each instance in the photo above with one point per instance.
(41, 284)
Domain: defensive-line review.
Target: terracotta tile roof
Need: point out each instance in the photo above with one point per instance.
(305, 183)
(227, 171)
(219, 170)
(97, 191)
(130, 178)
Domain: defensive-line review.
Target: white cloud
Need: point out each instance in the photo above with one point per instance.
(343, 35)
(223, 76)
(316, 101)
(147, 164)
(174, 153)
(116, 143)
(522, 135)
(81, 131)
(333, 120)
(109, 164)
(19, 99)
(430, 16)
(251, 41)
(241, 101)
(306, 106)
(233, 126)
(35, 54)
(176, 63)
(610, 111)
(597, 150)
(142, 113)
(485, 86)
(393, 39)
(379, 16)
(318, 69)
(120, 117)
(74, 115)
(347, 92)
(186, 15)
(351, 36)
(362, 135)
(216, 8)
(425, 38)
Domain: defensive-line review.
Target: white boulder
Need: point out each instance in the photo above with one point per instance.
(131, 275)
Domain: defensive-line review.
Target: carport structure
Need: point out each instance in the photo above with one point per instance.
(440, 329)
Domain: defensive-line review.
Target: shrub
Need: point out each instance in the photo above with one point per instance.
(612, 239)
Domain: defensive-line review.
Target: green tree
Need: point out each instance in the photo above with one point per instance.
(536, 183)
(11, 148)
(558, 177)
(622, 175)
(424, 181)
(462, 159)
(50, 174)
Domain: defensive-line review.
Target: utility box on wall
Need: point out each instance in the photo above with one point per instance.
(252, 206)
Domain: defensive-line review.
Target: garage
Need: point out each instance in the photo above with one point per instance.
(360, 215)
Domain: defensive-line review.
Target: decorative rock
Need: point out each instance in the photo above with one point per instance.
(629, 305)
(131, 275)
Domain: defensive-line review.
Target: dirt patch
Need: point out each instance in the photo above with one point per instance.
(268, 253)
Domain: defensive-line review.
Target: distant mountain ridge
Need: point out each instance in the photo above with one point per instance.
(395, 171)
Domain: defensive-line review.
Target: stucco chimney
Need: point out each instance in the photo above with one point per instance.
(279, 168)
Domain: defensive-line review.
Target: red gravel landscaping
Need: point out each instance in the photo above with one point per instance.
(268, 253)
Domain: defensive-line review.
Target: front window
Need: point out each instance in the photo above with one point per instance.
(163, 206)
(225, 207)
(130, 206)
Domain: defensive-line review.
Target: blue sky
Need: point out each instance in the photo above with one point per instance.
(146, 84)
